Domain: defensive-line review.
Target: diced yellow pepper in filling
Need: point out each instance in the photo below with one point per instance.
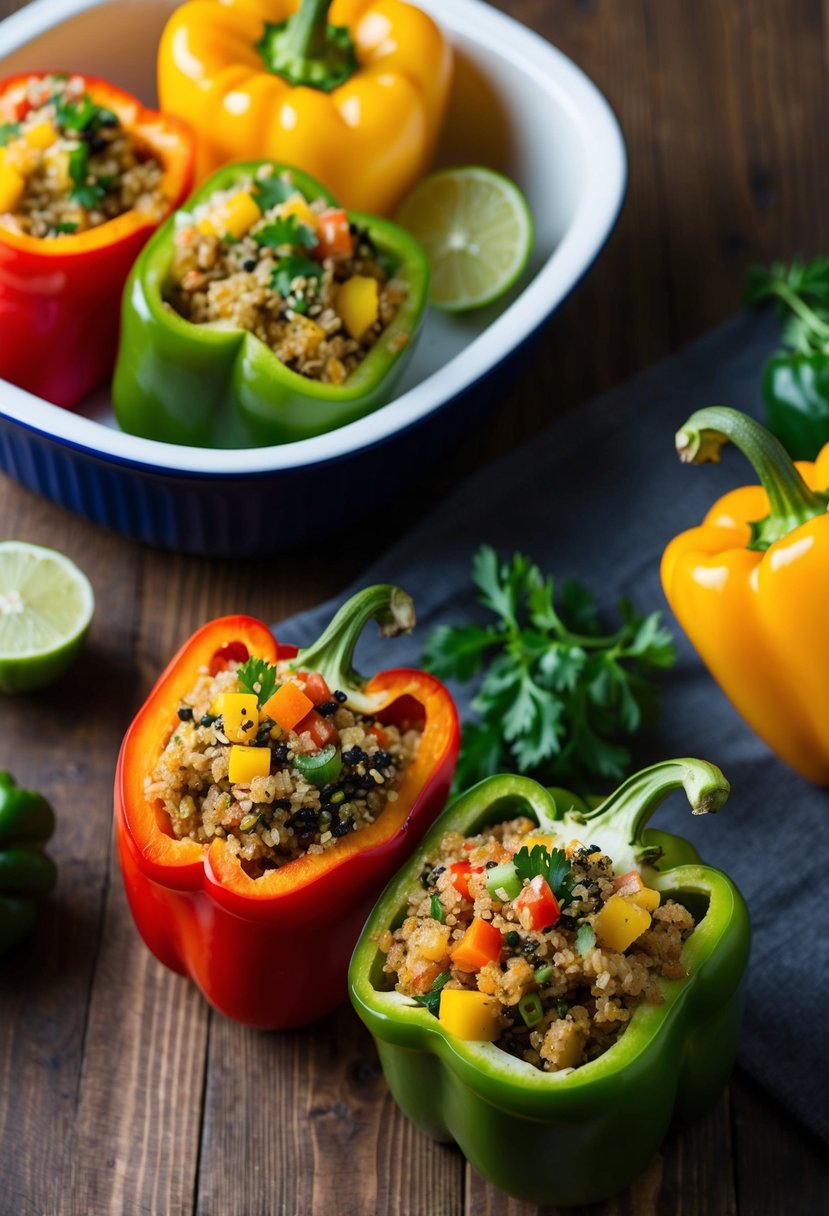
(57, 160)
(12, 187)
(619, 923)
(547, 842)
(296, 205)
(41, 136)
(240, 714)
(247, 763)
(469, 1015)
(235, 216)
(358, 303)
(645, 898)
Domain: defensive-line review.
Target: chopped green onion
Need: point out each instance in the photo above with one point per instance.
(320, 767)
(531, 1009)
(249, 822)
(437, 908)
(502, 882)
(432, 998)
(543, 973)
(585, 940)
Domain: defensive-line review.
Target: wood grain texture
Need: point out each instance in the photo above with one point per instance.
(120, 1092)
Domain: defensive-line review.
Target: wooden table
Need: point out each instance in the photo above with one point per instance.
(120, 1092)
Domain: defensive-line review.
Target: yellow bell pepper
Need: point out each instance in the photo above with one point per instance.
(751, 584)
(12, 187)
(358, 303)
(234, 217)
(240, 716)
(469, 1015)
(41, 136)
(619, 923)
(357, 102)
(247, 763)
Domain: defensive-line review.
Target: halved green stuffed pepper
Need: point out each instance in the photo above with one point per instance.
(549, 983)
(263, 313)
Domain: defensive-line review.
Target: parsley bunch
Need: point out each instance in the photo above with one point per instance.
(801, 293)
(557, 692)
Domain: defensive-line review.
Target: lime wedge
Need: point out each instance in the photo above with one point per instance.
(46, 605)
(477, 231)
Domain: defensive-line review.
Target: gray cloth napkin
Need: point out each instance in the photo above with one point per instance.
(596, 497)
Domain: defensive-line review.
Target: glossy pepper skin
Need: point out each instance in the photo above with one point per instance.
(273, 952)
(250, 88)
(750, 588)
(579, 1135)
(796, 395)
(26, 873)
(59, 296)
(193, 384)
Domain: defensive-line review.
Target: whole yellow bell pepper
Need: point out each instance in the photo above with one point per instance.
(750, 587)
(357, 102)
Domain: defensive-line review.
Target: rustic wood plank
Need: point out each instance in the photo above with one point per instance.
(70, 757)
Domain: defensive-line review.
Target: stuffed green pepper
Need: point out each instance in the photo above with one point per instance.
(550, 982)
(263, 313)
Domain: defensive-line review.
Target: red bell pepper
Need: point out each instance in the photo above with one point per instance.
(60, 296)
(537, 906)
(273, 952)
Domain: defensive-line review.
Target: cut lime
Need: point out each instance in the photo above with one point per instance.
(477, 230)
(46, 605)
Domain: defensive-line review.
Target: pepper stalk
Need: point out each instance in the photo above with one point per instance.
(792, 502)
(306, 49)
(618, 822)
(332, 655)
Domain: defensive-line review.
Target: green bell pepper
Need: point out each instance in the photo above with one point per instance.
(223, 387)
(26, 873)
(578, 1135)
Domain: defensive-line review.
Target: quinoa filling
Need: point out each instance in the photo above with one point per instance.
(68, 164)
(295, 272)
(558, 949)
(275, 792)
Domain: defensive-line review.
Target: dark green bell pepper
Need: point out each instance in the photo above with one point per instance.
(26, 873)
(796, 396)
(578, 1135)
(208, 387)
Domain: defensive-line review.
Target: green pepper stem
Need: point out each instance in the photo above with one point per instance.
(792, 502)
(307, 50)
(333, 653)
(630, 807)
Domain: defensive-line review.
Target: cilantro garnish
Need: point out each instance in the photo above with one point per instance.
(585, 939)
(801, 293)
(291, 268)
(66, 226)
(286, 230)
(437, 909)
(8, 132)
(86, 194)
(557, 692)
(83, 115)
(432, 998)
(552, 866)
(258, 676)
(269, 192)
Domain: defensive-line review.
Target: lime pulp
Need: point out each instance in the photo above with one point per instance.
(477, 231)
(46, 606)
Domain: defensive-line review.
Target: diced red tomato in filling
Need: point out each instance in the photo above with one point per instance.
(234, 652)
(320, 729)
(461, 871)
(536, 906)
(379, 734)
(316, 688)
(334, 234)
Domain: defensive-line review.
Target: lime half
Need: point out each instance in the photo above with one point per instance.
(46, 605)
(477, 230)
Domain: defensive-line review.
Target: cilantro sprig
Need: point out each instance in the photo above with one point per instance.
(431, 999)
(270, 192)
(801, 293)
(87, 194)
(557, 693)
(290, 268)
(8, 132)
(550, 865)
(286, 230)
(258, 676)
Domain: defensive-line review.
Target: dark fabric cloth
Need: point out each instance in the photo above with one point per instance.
(596, 497)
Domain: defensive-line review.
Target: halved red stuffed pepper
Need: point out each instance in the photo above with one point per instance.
(263, 798)
(86, 175)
